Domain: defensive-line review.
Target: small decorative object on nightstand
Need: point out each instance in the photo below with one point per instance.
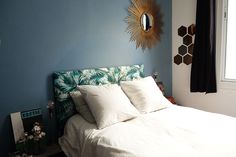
(159, 83)
(32, 143)
(162, 88)
(50, 108)
(171, 99)
(154, 75)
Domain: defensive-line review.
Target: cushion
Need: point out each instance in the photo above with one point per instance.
(108, 104)
(81, 106)
(144, 94)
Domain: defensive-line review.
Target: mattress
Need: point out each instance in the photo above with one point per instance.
(172, 132)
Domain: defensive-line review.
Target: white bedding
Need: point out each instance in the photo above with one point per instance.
(171, 132)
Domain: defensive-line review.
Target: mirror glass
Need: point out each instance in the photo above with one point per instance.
(146, 22)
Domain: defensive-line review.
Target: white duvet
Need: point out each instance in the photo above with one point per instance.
(171, 132)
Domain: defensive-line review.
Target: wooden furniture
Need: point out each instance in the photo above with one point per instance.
(53, 150)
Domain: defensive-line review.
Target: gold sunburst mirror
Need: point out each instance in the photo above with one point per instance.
(144, 23)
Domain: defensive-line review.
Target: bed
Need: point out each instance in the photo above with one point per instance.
(170, 131)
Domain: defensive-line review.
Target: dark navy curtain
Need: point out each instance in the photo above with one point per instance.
(203, 71)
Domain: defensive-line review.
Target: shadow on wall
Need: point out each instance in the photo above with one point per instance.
(50, 122)
(6, 140)
(49, 87)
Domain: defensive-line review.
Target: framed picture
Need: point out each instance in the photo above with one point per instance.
(23, 122)
(27, 131)
(17, 126)
(30, 117)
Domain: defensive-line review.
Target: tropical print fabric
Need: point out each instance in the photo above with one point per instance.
(67, 81)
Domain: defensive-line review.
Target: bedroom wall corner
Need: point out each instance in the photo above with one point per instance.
(183, 13)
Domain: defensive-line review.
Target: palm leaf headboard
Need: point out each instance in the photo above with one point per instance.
(67, 81)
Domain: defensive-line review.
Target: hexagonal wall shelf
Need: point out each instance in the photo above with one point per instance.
(191, 29)
(186, 49)
(187, 40)
(190, 49)
(182, 31)
(182, 50)
(187, 59)
(178, 59)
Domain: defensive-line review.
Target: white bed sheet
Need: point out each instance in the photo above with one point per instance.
(171, 132)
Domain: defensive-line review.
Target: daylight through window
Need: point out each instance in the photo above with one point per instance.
(230, 44)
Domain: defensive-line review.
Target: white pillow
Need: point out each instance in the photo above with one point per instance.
(81, 106)
(144, 94)
(108, 104)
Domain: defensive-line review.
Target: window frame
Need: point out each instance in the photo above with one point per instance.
(222, 13)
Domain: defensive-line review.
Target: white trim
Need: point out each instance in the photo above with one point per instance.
(222, 7)
(223, 30)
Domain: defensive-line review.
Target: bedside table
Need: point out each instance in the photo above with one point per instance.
(53, 150)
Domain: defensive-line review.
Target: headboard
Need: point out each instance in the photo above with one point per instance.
(67, 81)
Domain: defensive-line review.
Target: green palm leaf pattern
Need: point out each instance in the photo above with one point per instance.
(130, 73)
(65, 82)
(113, 74)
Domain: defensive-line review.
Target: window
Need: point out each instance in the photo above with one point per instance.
(228, 43)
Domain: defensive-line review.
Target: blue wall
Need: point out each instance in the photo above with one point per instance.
(42, 36)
